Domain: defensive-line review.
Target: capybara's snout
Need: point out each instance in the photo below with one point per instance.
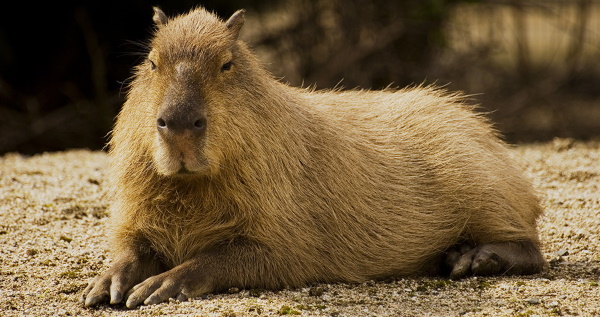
(181, 116)
(181, 131)
(173, 123)
(181, 124)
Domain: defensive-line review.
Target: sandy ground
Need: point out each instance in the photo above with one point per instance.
(52, 242)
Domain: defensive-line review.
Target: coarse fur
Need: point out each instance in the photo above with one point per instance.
(289, 186)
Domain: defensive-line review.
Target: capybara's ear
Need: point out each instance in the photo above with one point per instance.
(235, 23)
(160, 18)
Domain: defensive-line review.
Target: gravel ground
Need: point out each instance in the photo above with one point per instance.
(53, 240)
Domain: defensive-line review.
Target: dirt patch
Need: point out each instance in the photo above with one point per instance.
(53, 214)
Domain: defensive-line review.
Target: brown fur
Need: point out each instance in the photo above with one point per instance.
(292, 186)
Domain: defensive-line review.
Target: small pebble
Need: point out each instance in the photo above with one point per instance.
(556, 260)
(533, 301)
(316, 291)
(562, 252)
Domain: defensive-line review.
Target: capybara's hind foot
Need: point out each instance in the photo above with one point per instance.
(499, 258)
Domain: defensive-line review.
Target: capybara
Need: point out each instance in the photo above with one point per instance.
(225, 177)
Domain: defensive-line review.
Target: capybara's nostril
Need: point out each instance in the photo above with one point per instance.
(200, 124)
(172, 125)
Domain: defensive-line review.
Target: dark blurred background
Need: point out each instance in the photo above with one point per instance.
(534, 64)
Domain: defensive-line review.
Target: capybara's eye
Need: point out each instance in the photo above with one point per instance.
(152, 65)
(226, 66)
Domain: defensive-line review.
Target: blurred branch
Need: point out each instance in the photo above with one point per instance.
(98, 69)
(522, 48)
(575, 52)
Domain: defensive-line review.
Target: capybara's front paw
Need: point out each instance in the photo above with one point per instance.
(114, 283)
(159, 288)
(110, 286)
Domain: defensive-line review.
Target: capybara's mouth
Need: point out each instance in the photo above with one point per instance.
(171, 161)
(183, 170)
(185, 166)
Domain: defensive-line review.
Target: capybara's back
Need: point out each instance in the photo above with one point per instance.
(225, 177)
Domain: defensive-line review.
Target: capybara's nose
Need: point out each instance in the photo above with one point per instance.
(177, 124)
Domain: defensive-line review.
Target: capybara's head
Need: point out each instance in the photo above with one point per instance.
(191, 77)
